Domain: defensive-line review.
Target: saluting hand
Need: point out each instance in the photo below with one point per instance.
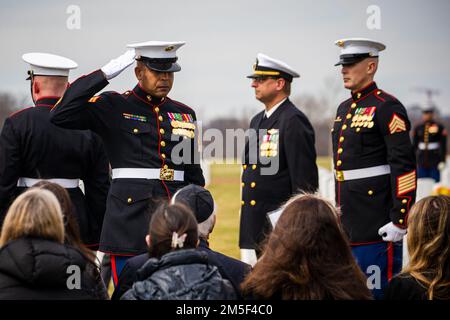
(116, 66)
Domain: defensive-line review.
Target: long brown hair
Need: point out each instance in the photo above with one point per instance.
(167, 219)
(429, 245)
(307, 256)
(35, 213)
(72, 232)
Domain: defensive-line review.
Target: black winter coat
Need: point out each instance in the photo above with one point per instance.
(229, 268)
(37, 269)
(180, 275)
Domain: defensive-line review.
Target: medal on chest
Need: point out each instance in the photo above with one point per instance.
(182, 124)
(269, 144)
(364, 117)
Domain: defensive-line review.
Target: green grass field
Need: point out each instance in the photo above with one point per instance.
(225, 188)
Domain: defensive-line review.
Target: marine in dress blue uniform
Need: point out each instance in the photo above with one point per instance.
(280, 159)
(374, 164)
(430, 145)
(142, 133)
(33, 149)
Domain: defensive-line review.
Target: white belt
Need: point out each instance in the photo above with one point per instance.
(430, 146)
(65, 183)
(362, 173)
(141, 173)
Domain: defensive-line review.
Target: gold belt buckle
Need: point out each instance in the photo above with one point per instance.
(339, 175)
(166, 174)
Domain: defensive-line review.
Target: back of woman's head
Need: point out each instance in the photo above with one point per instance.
(172, 227)
(429, 245)
(72, 231)
(307, 256)
(35, 213)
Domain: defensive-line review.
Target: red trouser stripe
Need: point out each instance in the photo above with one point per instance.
(114, 270)
(390, 257)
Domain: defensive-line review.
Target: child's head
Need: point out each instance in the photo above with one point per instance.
(172, 227)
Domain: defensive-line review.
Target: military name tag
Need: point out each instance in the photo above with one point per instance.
(269, 144)
(134, 117)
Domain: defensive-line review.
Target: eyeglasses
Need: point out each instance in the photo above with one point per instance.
(262, 79)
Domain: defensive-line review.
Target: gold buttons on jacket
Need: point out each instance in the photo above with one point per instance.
(344, 127)
(129, 200)
(400, 221)
(163, 155)
(253, 184)
(338, 163)
(370, 192)
(163, 143)
(341, 139)
(160, 118)
(161, 131)
(135, 130)
(358, 95)
(340, 150)
(403, 210)
(404, 201)
(156, 109)
(358, 129)
(254, 167)
(348, 115)
(149, 98)
(353, 105)
(253, 202)
(244, 166)
(166, 166)
(242, 203)
(243, 184)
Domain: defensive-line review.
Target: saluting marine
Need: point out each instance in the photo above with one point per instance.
(140, 129)
(374, 163)
(33, 149)
(430, 144)
(280, 159)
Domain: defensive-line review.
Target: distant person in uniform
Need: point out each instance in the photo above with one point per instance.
(33, 149)
(140, 128)
(430, 144)
(374, 165)
(280, 159)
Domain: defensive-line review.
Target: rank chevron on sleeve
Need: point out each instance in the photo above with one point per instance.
(397, 124)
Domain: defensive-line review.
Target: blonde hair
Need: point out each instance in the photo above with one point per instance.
(35, 213)
(428, 244)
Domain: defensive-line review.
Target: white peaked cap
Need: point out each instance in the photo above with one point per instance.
(156, 49)
(267, 66)
(46, 64)
(356, 49)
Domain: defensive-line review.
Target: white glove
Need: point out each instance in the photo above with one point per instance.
(390, 232)
(441, 166)
(116, 66)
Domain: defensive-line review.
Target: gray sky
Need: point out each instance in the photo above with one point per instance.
(223, 38)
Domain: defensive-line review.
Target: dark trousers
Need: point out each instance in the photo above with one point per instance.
(380, 262)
